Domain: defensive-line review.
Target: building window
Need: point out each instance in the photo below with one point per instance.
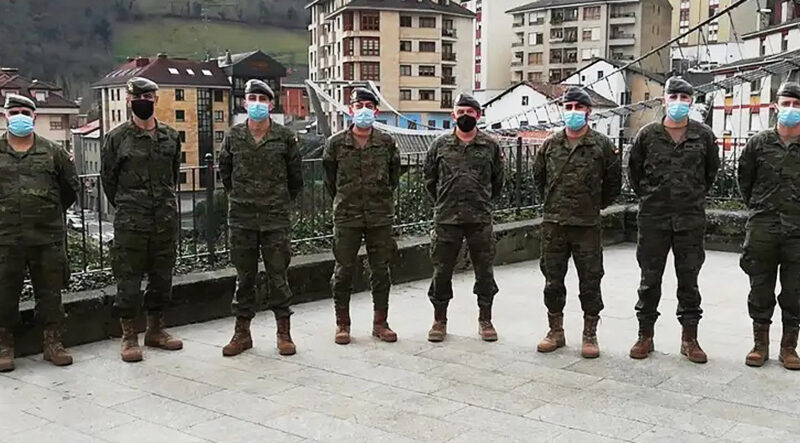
(599, 75)
(183, 178)
(556, 33)
(182, 135)
(219, 136)
(348, 46)
(556, 55)
(535, 58)
(179, 95)
(183, 156)
(525, 100)
(405, 46)
(535, 38)
(405, 94)
(219, 116)
(591, 34)
(405, 70)
(56, 125)
(218, 95)
(427, 95)
(427, 22)
(590, 53)
(370, 46)
(646, 96)
(755, 87)
(591, 13)
(370, 71)
(405, 21)
(785, 41)
(446, 124)
(411, 124)
(535, 77)
(180, 116)
(763, 46)
(347, 21)
(370, 22)
(348, 72)
(431, 123)
(427, 71)
(427, 46)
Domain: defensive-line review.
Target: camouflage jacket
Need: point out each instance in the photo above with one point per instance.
(769, 180)
(361, 181)
(261, 178)
(36, 187)
(672, 180)
(574, 184)
(463, 179)
(139, 171)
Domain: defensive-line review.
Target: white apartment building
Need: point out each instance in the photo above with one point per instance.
(419, 54)
(554, 38)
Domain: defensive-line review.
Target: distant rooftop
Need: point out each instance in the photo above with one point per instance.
(554, 92)
(11, 81)
(443, 6)
(167, 71)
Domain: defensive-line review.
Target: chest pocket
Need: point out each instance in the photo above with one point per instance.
(267, 160)
(42, 164)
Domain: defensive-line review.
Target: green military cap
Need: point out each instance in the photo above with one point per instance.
(363, 95)
(465, 99)
(789, 89)
(677, 85)
(19, 101)
(255, 86)
(141, 85)
(577, 94)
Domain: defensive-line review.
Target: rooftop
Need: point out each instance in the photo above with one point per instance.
(167, 71)
(87, 128)
(756, 61)
(451, 7)
(554, 92)
(10, 81)
(550, 4)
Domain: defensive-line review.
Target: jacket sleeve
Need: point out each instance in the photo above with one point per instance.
(67, 179)
(431, 171)
(612, 178)
(540, 171)
(294, 167)
(330, 165)
(226, 162)
(712, 161)
(636, 164)
(394, 165)
(498, 172)
(109, 168)
(746, 173)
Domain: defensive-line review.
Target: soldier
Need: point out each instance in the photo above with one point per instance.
(139, 171)
(362, 170)
(769, 177)
(463, 174)
(37, 184)
(672, 166)
(577, 173)
(261, 169)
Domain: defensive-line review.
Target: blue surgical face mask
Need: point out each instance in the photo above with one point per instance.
(575, 119)
(364, 118)
(20, 125)
(789, 116)
(677, 111)
(258, 111)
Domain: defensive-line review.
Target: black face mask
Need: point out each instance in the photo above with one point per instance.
(142, 108)
(466, 123)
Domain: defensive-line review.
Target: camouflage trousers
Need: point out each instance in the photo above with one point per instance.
(135, 254)
(274, 249)
(381, 249)
(766, 254)
(585, 245)
(651, 253)
(446, 241)
(46, 265)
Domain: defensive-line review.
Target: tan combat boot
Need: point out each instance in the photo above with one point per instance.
(129, 345)
(284, 338)
(380, 327)
(439, 329)
(342, 326)
(54, 351)
(589, 348)
(555, 336)
(788, 355)
(689, 345)
(241, 340)
(760, 352)
(6, 350)
(157, 337)
(485, 326)
(644, 345)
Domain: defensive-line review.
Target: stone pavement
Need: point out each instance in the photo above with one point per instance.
(463, 390)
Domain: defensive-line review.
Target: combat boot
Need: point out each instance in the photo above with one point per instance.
(589, 348)
(380, 327)
(788, 355)
(439, 329)
(555, 336)
(129, 345)
(6, 350)
(644, 345)
(284, 338)
(342, 326)
(54, 351)
(760, 352)
(689, 345)
(485, 326)
(157, 337)
(241, 340)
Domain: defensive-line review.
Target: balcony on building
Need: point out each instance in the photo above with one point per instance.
(519, 40)
(622, 57)
(449, 33)
(519, 21)
(449, 56)
(518, 59)
(622, 39)
(449, 80)
(619, 16)
(447, 103)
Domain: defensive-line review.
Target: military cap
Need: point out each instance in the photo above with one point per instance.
(577, 94)
(465, 99)
(19, 101)
(677, 85)
(363, 94)
(141, 85)
(255, 86)
(789, 89)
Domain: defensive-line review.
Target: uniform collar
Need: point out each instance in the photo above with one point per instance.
(350, 139)
(9, 150)
(692, 130)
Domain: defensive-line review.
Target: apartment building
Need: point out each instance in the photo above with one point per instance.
(492, 33)
(249, 65)
(418, 53)
(554, 38)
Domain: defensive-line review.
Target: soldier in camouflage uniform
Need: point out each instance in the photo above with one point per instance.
(672, 165)
(769, 180)
(37, 184)
(577, 173)
(362, 170)
(140, 161)
(261, 169)
(463, 174)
